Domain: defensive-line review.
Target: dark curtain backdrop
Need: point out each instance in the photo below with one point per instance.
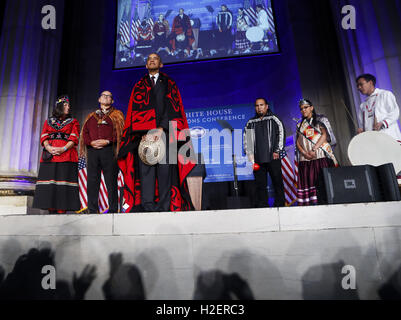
(2, 9)
(81, 53)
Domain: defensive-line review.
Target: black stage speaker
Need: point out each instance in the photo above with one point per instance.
(358, 184)
(349, 185)
(388, 182)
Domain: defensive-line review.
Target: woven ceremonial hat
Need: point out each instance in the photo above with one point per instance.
(151, 152)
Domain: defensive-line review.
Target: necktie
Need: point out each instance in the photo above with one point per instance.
(153, 80)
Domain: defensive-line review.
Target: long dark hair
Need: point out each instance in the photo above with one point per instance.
(58, 111)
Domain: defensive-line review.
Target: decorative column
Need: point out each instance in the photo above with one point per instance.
(29, 64)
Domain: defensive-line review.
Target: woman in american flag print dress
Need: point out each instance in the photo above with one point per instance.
(57, 185)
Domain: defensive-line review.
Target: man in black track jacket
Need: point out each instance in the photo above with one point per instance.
(264, 144)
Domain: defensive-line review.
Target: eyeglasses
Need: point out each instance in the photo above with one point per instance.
(107, 96)
(304, 108)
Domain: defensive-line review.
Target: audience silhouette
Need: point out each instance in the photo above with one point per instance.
(216, 285)
(25, 281)
(124, 282)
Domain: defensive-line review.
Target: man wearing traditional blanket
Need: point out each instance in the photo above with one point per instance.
(181, 36)
(264, 144)
(155, 112)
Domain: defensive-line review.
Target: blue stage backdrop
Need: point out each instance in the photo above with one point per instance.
(144, 26)
(216, 143)
(220, 86)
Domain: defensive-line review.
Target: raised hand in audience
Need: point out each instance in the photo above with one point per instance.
(82, 283)
(115, 261)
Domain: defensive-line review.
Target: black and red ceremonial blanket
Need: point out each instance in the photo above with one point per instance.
(141, 117)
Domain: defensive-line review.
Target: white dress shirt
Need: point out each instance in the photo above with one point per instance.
(380, 106)
(155, 75)
(263, 21)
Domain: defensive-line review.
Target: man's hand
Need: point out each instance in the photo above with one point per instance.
(157, 135)
(96, 144)
(82, 283)
(154, 135)
(100, 143)
(115, 261)
(360, 130)
(378, 126)
(276, 156)
(251, 158)
(104, 142)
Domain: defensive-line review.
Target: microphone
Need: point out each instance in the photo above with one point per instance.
(296, 119)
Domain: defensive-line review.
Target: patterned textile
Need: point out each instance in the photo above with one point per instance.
(58, 133)
(241, 41)
(308, 178)
(141, 117)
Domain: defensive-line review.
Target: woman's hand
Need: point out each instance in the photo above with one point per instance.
(307, 155)
(312, 155)
(51, 149)
(58, 150)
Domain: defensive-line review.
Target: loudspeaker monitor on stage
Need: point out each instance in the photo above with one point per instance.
(358, 184)
(388, 182)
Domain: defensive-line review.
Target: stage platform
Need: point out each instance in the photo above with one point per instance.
(286, 253)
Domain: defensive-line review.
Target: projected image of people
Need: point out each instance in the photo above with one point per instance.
(193, 30)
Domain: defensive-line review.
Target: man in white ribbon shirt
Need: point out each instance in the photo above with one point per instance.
(380, 111)
(263, 20)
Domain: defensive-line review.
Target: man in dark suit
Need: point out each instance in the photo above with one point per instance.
(155, 102)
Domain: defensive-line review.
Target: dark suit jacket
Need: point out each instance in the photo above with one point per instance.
(158, 102)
